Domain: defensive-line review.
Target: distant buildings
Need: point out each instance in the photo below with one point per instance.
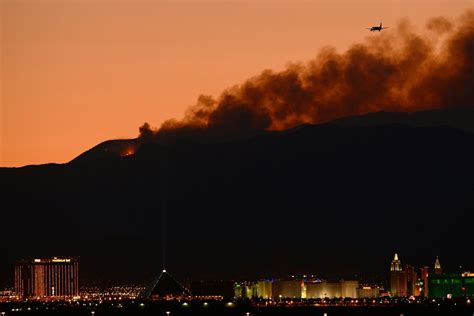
(264, 289)
(451, 285)
(47, 278)
(58, 278)
(368, 292)
(412, 281)
(326, 289)
(437, 267)
(288, 288)
(166, 287)
(423, 281)
(398, 279)
(349, 288)
(297, 288)
(248, 290)
(405, 283)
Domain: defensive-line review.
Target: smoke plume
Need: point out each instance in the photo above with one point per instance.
(398, 69)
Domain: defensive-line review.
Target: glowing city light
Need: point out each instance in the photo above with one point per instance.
(55, 259)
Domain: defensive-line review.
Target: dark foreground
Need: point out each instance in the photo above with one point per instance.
(219, 308)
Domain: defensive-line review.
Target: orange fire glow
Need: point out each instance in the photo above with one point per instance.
(128, 152)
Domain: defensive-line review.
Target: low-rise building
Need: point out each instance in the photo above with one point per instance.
(368, 292)
(451, 285)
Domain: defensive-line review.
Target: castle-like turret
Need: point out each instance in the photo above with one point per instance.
(437, 267)
(398, 278)
(396, 264)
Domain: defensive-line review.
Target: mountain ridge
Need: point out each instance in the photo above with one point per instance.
(341, 191)
(462, 118)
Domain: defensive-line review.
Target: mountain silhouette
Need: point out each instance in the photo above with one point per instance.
(334, 199)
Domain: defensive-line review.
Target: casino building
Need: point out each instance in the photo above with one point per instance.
(47, 278)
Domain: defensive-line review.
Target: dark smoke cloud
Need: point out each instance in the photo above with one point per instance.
(439, 25)
(396, 70)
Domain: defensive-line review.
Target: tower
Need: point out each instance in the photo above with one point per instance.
(395, 275)
(425, 272)
(396, 264)
(45, 278)
(412, 278)
(437, 267)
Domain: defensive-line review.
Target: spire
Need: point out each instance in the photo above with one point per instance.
(437, 266)
(396, 264)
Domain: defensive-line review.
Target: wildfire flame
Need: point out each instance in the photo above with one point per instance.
(129, 151)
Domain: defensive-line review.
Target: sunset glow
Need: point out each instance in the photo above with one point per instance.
(76, 73)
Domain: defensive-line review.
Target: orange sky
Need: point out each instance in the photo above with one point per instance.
(78, 72)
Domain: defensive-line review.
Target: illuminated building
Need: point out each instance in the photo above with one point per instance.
(303, 289)
(396, 277)
(402, 283)
(264, 289)
(47, 278)
(287, 289)
(368, 292)
(245, 290)
(412, 279)
(324, 289)
(419, 287)
(437, 267)
(349, 288)
(396, 264)
(166, 287)
(237, 291)
(425, 273)
(451, 285)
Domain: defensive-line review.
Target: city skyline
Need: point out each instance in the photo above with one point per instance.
(118, 219)
(57, 278)
(236, 157)
(383, 277)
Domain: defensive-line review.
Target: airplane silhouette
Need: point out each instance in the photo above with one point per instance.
(377, 28)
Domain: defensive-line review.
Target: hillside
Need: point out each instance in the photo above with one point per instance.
(358, 192)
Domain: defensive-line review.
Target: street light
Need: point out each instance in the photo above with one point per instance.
(92, 313)
(168, 313)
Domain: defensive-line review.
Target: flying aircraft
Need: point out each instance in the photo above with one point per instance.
(377, 28)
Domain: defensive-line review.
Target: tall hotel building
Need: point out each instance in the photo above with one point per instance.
(396, 278)
(47, 278)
